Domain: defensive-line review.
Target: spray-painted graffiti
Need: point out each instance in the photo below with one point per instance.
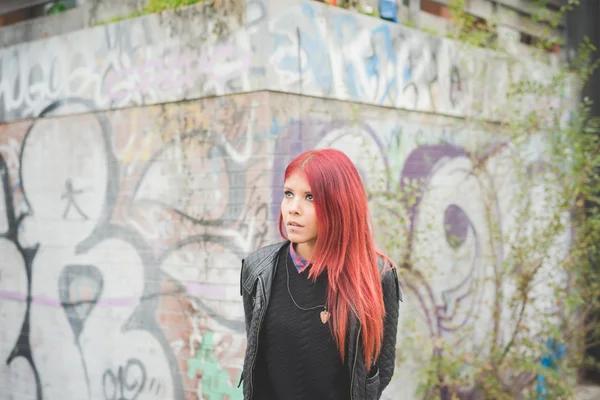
(75, 265)
(350, 57)
(215, 381)
(180, 72)
(309, 48)
(447, 276)
(134, 62)
(122, 235)
(127, 383)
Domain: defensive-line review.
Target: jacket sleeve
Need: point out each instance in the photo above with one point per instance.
(391, 297)
(247, 300)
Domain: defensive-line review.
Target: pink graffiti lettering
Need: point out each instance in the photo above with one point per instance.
(176, 72)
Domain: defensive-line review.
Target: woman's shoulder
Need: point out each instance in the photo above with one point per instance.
(389, 275)
(385, 265)
(265, 252)
(261, 258)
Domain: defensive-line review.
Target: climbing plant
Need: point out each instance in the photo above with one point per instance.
(220, 11)
(57, 7)
(535, 283)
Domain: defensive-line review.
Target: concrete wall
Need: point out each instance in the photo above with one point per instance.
(123, 231)
(293, 46)
(39, 28)
(150, 60)
(125, 212)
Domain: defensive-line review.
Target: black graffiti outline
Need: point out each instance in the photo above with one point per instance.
(263, 13)
(68, 274)
(120, 381)
(22, 347)
(456, 87)
(69, 195)
(143, 316)
(232, 169)
(155, 386)
(231, 323)
(112, 185)
(112, 166)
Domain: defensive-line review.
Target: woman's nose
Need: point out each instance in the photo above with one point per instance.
(294, 208)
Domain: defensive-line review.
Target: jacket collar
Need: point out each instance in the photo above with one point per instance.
(260, 261)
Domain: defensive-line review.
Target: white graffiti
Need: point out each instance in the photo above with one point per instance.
(132, 62)
(81, 312)
(354, 58)
(327, 53)
(85, 319)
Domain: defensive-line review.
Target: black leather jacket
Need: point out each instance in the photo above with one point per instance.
(255, 288)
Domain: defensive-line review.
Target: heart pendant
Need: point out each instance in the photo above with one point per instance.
(324, 316)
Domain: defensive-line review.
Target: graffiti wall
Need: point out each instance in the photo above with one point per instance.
(122, 234)
(321, 52)
(121, 240)
(468, 189)
(154, 59)
(295, 46)
(135, 175)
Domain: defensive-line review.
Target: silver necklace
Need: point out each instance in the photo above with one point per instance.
(324, 314)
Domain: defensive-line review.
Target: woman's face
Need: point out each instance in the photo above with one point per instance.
(298, 212)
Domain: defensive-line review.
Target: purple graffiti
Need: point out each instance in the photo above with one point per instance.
(300, 136)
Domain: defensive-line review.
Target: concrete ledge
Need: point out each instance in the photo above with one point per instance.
(39, 28)
(157, 58)
(300, 47)
(86, 15)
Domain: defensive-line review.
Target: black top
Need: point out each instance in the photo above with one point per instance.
(297, 355)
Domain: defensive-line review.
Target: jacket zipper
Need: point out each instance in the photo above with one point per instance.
(354, 366)
(262, 289)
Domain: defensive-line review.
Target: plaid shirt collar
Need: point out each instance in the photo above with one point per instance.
(299, 262)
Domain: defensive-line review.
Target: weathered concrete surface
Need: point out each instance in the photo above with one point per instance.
(87, 14)
(40, 28)
(144, 215)
(299, 47)
(142, 160)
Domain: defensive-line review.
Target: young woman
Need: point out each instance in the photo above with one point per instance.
(321, 307)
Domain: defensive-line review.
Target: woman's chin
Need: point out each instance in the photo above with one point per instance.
(295, 238)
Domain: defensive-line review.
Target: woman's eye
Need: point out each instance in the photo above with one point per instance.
(309, 197)
(288, 194)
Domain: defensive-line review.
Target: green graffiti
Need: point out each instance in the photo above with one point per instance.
(216, 384)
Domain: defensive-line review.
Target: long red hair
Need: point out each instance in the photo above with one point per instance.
(344, 247)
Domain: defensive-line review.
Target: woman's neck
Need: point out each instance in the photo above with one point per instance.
(304, 250)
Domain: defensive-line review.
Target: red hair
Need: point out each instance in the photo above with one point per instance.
(344, 247)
